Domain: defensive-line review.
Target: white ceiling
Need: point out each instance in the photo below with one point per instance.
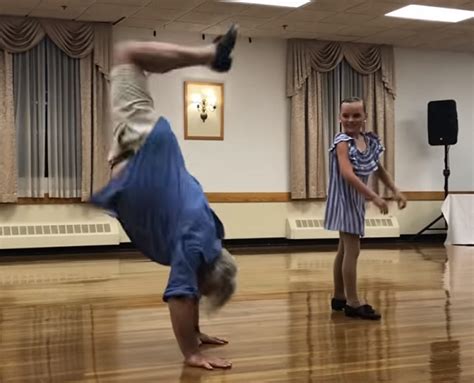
(343, 20)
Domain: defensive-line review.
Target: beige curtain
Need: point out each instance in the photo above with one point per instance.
(307, 59)
(381, 120)
(90, 42)
(306, 145)
(8, 172)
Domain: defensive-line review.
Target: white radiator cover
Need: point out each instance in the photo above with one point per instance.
(313, 228)
(108, 232)
(63, 234)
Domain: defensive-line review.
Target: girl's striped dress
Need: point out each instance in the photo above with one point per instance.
(345, 208)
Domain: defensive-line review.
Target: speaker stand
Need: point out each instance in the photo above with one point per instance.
(446, 174)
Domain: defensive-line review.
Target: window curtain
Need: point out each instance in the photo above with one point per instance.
(91, 44)
(29, 84)
(338, 84)
(64, 124)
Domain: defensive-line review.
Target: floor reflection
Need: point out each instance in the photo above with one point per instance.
(48, 343)
(346, 350)
(445, 355)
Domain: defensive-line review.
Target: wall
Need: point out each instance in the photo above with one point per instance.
(423, 76)
(257, 116)
(254, 155)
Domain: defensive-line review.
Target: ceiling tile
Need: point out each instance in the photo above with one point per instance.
(349, 19)
(249, 32)
(374, 7)
(265, 11)
(220, 29)
(332, 5)
(179, 26)
(421, 25)
(20, 4)
(323, 28)
(422, 38)
(245, 22)
(396, 34)
(222, 8)
(178, 4)
(377, 40)
(69, 3)
(153, 12)
(453, 37)
(467, 22)
(273, 27)
(14, 11)
(455, 31)
(465, 28)
(292, 35)
(107, 12)
(135, 3)
(201, 18)
(141, 23)
(407, 43)
(306, 15)
(58, 13)
(435, 3)
(320, 28)
(468, 5)
(387, 22)
(215, 30)
(337, 37)
(387, 37)
(355, 30)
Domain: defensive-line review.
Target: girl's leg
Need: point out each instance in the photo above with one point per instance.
(339, 292)
(351, 243)
(353, 307)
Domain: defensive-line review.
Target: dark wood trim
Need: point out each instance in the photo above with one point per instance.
(430, 195)
(248, 197)
(217, 197)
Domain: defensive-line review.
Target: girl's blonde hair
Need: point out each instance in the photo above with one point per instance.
(350, 100)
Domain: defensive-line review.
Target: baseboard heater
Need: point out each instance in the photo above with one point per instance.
(67, 234)
(313, 228)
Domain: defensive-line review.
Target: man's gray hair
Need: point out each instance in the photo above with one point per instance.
(221, 275)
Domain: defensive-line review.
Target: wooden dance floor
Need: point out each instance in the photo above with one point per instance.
(100, 318)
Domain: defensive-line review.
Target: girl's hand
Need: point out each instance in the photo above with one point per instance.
(381, 204)
(401, 200)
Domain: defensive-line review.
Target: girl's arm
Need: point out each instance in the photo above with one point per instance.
(387, 181)
(347, 172)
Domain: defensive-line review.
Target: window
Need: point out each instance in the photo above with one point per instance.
(46, 89)
(340, 83)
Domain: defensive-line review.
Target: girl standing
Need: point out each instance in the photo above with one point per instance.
(354, 155)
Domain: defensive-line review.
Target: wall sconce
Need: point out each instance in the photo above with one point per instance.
(204, 103)
(203, 110)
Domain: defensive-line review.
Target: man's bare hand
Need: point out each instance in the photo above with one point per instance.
(207, 362)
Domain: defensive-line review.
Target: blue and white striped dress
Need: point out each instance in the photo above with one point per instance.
(345, 207)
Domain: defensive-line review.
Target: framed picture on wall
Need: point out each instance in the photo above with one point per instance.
(203, 110)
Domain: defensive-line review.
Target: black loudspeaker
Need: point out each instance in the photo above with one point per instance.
(442, 122)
